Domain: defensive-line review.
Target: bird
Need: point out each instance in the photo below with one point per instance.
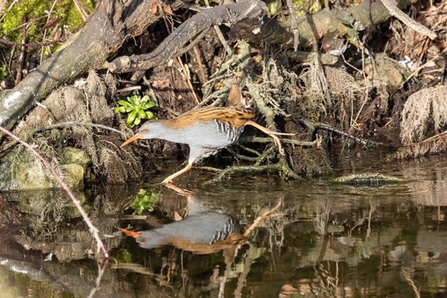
(205, 130)
(203, 233)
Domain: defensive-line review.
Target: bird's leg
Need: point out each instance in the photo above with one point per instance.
(271, 133)
(176, 174)
(178, 190)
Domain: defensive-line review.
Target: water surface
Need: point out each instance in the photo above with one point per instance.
(368, 239)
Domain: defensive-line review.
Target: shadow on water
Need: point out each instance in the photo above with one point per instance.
(325, 240)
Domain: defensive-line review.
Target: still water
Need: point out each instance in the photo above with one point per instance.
(326, 239)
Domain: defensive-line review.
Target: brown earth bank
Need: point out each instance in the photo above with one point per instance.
(348, 76)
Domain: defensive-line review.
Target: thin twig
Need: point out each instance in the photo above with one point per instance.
(45, 31)
(186, 72)
(313, 127)
(220, 35)
(81, 10)
(193, 43)
(59, 179)
(70, 123)
(59, 125)
(294, 27)
(283, 140)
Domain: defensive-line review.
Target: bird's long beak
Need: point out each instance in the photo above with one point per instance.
(132, 139)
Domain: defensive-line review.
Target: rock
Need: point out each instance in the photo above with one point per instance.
(23, 171)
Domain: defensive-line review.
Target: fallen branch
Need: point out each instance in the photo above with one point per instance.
(188, 30)
(399, 14)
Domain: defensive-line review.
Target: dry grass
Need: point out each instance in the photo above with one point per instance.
(85, 102)
(424, 115)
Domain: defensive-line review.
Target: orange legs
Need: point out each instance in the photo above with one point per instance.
(271, 133)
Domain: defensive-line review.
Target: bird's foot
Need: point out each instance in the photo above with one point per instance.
(166, 182)
(273, 134)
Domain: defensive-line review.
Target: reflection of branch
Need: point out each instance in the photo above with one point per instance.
(242, 279)
(396, 12)
(59, 179)
(410, 281)
(372, 209)
(98, 279)
(261, 218)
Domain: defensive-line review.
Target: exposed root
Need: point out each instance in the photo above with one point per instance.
(313, 127)
(281, 167)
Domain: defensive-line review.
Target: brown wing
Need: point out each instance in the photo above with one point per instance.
(235, 98)
(229, 115)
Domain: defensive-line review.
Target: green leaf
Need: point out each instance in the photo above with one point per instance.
(145, 99)
(141, 114)
(149, 105)
(137, 100)
(119, 110)
(132, 100)
(131, 119)
(144, 201)
(124, 103)
(150, 115)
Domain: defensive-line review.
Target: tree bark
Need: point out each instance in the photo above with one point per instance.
(188, 30)
(112, 23)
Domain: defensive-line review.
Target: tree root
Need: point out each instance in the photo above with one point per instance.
(281, 166)
(313, 127)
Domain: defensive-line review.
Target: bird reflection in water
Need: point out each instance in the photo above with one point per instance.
(201, 231)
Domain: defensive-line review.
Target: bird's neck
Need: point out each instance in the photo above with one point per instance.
(163, 131)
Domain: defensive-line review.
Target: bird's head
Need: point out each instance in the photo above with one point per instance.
(142, 133)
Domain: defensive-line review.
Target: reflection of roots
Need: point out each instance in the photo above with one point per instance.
(49, 219)
(328, 283)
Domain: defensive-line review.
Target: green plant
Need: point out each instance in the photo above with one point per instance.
(35, 12)
(144, 201)
(137, 108)
(3, 72)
